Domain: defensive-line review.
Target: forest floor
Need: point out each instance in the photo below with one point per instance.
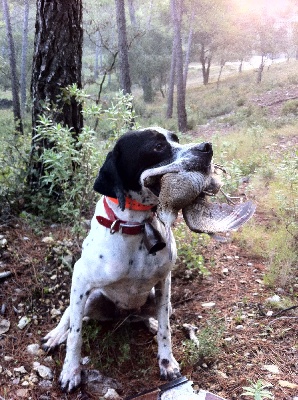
(247, 337)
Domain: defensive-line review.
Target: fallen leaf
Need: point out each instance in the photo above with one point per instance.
(287, 384)
(4, 326)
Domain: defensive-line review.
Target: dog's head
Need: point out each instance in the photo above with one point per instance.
(143, 153)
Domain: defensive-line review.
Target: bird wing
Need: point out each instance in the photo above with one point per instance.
(204, 216)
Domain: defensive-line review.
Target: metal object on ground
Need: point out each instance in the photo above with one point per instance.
(178, 389)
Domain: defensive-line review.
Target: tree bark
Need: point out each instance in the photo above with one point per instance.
(125, 83)
(260, 70)
(57, 60)
(24, 57)
(176, 6)
(188, 51)
(13, 71)
(170, 101)
(206, 63)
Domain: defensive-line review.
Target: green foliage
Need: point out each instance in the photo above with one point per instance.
(210, 340)
(189, 245)
(257, 390)
(290, 107)
(70, 165)
(113, 346)
(65, 189)
(14, 157)
(115, 120)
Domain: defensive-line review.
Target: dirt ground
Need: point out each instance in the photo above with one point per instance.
(253, 340)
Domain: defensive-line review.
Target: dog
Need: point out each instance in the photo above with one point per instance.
(117, 269)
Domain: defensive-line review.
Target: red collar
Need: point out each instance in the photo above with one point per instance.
(115, 224)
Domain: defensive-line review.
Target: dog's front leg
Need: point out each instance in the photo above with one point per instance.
(169, 367)
(70, 377)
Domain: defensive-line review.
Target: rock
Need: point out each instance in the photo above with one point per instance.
(3, 241)
(208, 305)
(55, 312)
(287, 384)
(33, 349)
(20, 370)
(68, 260)
(111, 395)
(4, 326)
(22, 393)
(239, 327)
(5, 274)
(271, 368)
(43, 371)
(274, 299)
(24, 321)
(97, 382)
(47, 239)
(46, 384)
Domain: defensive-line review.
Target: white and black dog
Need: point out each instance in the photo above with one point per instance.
(117, 269)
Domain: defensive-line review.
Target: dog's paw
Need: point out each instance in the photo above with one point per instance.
(70, 378)
(169, 369)
(53, 339)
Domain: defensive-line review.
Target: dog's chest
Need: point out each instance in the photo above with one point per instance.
(114, 257)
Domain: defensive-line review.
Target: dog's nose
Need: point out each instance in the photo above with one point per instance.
(204, 147)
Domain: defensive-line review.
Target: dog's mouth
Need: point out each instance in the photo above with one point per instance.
(191, 158)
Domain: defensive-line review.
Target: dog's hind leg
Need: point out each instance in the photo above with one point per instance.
(59, 334)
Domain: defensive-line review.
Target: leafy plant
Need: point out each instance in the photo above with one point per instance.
(257, 390)
(210, 339)
(189, 245)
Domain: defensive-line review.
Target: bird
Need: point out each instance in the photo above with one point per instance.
(203, 216)
(190, 191)
(177, 191)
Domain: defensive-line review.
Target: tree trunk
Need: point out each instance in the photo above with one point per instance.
(170, 101)
(146, 83)
(132, 13)
(181, 110)
(13, 71)
(24, 57)
(206, 63)
(125, 83)
(260, 70)
(57, 60)
(98, 55)
(222, 64)
(189, 42)
(57, 63)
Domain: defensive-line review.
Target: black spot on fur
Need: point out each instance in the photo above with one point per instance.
(78, 330)
(81, 296)
(165, 362)
(130, 262)
(87, 293)
(100, 256)
(164, 337)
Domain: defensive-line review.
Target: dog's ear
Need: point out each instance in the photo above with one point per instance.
(108, 181)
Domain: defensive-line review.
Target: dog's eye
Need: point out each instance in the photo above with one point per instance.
(159, 147)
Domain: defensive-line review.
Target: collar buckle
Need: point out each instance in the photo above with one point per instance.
(115, 226)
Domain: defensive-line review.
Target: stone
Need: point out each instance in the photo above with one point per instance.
(111, 395)
(24, 321)
(33, 349)
(20, 370)
(4, 326)
(43, 371)
(271, 368)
